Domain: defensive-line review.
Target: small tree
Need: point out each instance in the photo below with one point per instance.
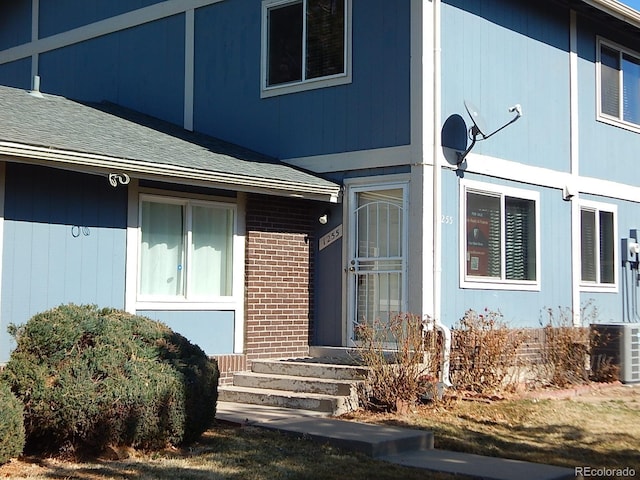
(90, 377)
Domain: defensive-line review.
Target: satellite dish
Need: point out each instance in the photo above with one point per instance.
(479, 127)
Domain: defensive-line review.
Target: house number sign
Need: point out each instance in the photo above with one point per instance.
(330, 237)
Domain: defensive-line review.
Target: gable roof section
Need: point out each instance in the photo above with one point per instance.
(104, 138)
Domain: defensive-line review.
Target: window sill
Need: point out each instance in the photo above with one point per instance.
(486, 284)
(189, 305)
(616, 122)
(324, 82)
(599, 287)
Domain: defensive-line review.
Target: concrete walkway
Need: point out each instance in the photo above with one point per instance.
(403, 446)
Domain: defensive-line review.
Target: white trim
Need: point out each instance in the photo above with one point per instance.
(304, 84)
(574, 105)
(357, 160)
(103, 27)
(35, 32)
(189, 68)
(545, 177)
(239, 262)
(179, 302)
(599, 207)
(370, 184)
(502, 283)
(131, 263)
(84, 161)
(603, 117)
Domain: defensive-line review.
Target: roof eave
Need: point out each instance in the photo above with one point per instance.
(165, 172)
(617, 10)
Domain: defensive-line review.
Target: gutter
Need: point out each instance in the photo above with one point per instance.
(105, 164)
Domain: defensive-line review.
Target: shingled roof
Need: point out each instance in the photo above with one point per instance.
(104, 138)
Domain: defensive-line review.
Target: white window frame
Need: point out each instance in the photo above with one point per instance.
(604, 117)
(305, 84)
(172, 302)
(494, 283)
(598, 207)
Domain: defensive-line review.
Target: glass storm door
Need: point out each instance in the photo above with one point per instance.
(377, 264)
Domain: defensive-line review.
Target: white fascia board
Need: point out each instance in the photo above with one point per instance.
(357, 160)
(617, 10)
(103, 27)
(142, 169)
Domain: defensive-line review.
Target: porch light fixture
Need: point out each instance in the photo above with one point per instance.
(479, 126)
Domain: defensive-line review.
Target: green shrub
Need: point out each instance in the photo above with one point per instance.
(11, 425)
(90, 377)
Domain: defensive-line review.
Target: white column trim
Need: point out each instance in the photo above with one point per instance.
(189, 59)
(35, 33)
(239, 243)
(575, 167)
(131, 261)
(3, 175)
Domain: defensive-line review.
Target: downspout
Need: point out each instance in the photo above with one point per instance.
(444, 380)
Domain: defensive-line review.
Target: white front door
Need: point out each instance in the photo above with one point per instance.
(377, 254)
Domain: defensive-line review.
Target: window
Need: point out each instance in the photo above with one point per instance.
(597, 244)
(305, 44)
(186, 249)
(500, 237)
(619, 82)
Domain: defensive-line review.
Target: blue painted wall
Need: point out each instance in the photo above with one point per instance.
(520, 308)
(140, 68)
(497, 53)
(16, 74)
(64, 241)
(58, 16)
(373, 111)
(15, 24)
(606, 151)
(211, 331)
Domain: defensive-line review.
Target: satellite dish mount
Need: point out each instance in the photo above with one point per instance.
(478, 131)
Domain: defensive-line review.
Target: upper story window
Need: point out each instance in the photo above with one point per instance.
(619, 85)
(500, 234)
(597, 245)
(186, 249)
(305, 45)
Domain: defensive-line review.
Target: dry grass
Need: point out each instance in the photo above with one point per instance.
(598, 429)
(224, 453)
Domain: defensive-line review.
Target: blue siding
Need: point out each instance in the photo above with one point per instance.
(140, 68)
(61, 15)
(496, 53)
(520, 308)
(16, 74)
(606, 151)
(211, 331)
(64, 241)
(373, 111)
(15, 23)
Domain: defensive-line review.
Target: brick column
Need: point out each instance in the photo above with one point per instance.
(278, 272)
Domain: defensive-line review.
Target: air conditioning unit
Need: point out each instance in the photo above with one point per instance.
(618, 343)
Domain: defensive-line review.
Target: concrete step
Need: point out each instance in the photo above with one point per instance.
(331, 404)
(292, 383)
(300, 368)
